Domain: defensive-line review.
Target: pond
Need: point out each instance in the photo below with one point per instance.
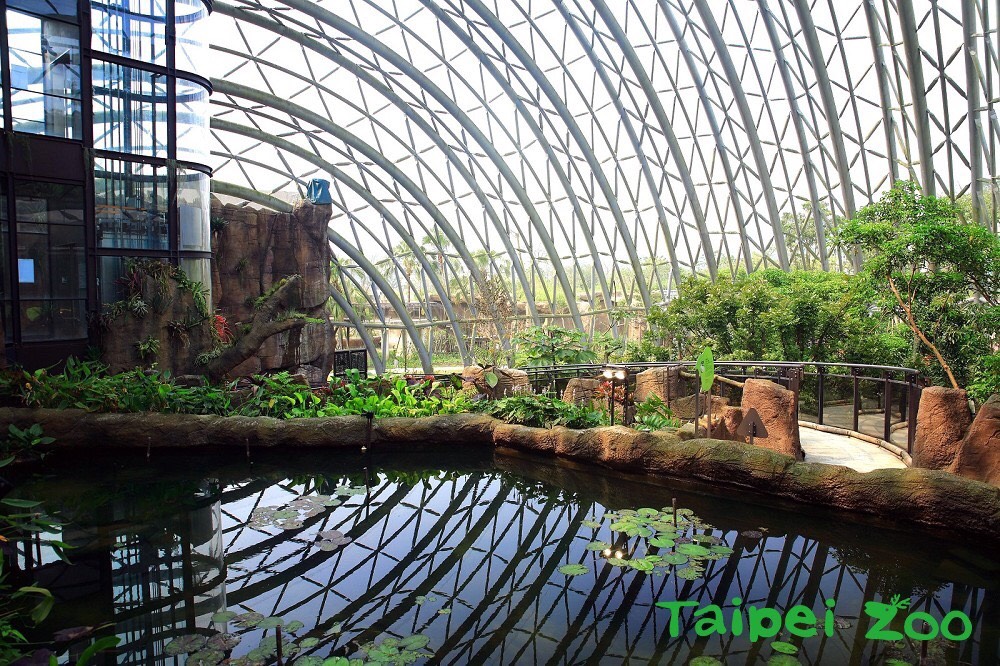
(492, 559)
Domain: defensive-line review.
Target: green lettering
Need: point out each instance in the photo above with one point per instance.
(801, 621)
(828, 624)
(675, 614)
(883, 614)
(946, 626)
(758, 617)
(714, 624)
(737, 617)
(911, 630)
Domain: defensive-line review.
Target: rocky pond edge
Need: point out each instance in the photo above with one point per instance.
(910, 497)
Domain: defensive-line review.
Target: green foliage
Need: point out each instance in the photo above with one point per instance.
(88, 386)
(772, 315)
(148, 348)
(543, 411)
(553, 345)
(20, 442)
(936, 273)
(654, 414)
(987, 379)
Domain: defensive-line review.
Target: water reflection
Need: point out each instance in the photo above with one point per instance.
(469, 559)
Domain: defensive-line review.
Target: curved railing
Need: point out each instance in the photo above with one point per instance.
(873, 402)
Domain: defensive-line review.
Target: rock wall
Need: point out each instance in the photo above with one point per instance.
(942, 420)
(941, 502)
(978, 454)
(254, 249)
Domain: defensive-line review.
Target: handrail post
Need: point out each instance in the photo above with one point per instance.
(887, 398)
(795, 384)
(857, 398)
(912, 407)
(820, 392)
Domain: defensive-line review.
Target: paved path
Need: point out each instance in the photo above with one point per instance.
(825, 447)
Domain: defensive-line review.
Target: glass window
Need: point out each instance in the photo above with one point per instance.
(51, 261)
(130, 110)
(130, 28)
(5, 296)
(199, 270)
(131, 203)
(63, 9)
(193, 138)
(191, 26)
(44, 75)
(193, 211)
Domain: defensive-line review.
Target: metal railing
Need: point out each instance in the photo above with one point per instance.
(872, 400)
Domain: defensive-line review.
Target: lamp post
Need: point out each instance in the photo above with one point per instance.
(613, 374)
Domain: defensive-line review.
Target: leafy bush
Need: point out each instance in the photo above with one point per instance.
(543, 411)
(88, 386)
(654, 414)
(987, 379)
(554, 345)
(20, 442)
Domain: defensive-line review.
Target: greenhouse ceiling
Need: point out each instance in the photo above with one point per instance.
(588, 154)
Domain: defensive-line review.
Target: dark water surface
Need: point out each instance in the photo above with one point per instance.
(464, 564)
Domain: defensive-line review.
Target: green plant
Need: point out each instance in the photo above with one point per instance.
(554, 345)
(654, 414)
(937, 274)
(543, 411)
(20, 442)
(148, 348)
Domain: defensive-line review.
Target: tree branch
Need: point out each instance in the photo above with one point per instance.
(263, 326)
(916, 329)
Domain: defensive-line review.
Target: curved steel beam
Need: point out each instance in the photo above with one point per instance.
(749, 126)
(334, 56)
(359, 324)
(336, 22)
(665, 126)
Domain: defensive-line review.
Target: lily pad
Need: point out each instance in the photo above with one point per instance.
(704, 661)
(617, 562)
(592, 524)
(641, 564)
(693, 550)
(784, 648)
(573, 569)
(223, 642)
(414, 642)
(185, 644)
(334, 630)
(688, 573)
(271, 623)
(206, 658)
(293, 626)
(223, 616)
(721, 550)
(646, 512)
(598, 545)
(661, 542)
(783, 660)
(307, 643)
(312, 660)
(444, 611)
(675, 559)
(248, 620)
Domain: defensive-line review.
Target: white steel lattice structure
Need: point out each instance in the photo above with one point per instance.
(589, 152)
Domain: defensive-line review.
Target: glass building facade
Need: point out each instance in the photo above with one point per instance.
(104, 152)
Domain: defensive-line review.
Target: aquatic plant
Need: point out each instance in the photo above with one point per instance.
(675, 531)
(543, 411)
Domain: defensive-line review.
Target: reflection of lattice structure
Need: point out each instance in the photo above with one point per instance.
(488, 549)
(594, 153)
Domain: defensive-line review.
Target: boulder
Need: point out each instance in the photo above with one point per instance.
(776, 406)
(684, 408)
(583, 391)
(510, 381)
(942, 421)
(978, 455)
(661, 382)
